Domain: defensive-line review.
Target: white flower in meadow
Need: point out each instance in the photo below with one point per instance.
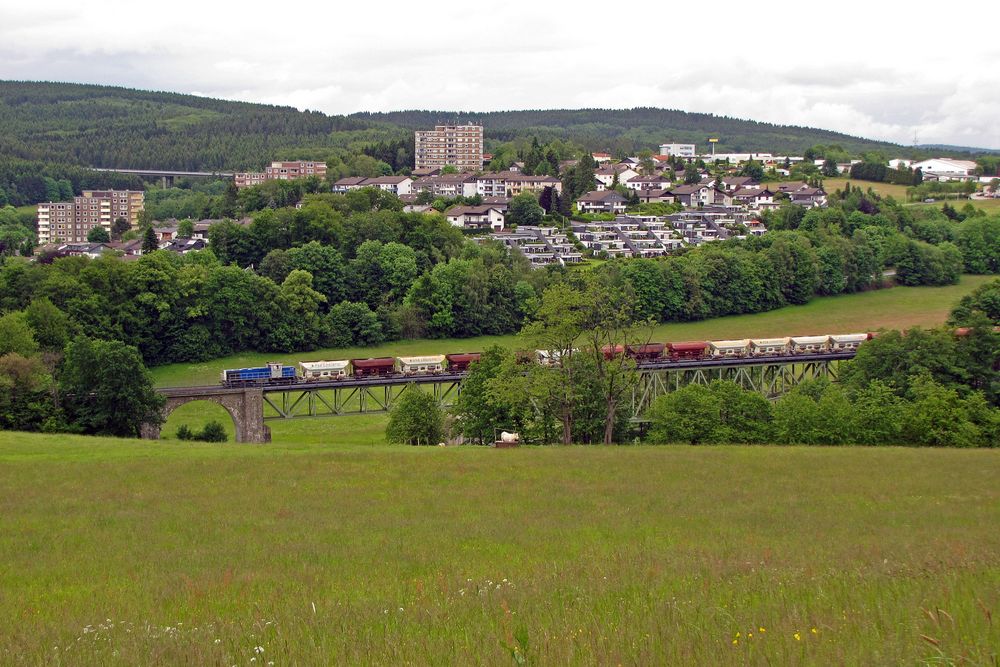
(258, 649)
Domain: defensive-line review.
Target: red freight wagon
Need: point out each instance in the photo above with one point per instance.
(695, 349)
(647, 352)
(610, 352)
(459, 362)
(375, 366)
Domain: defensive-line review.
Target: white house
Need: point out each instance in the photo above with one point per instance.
(601, 201)
(605, 176)
(754, 197)
(694, 195)
(476, 217)
(397, 185)
(647, 183)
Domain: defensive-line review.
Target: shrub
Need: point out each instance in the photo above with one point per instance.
(213, 432)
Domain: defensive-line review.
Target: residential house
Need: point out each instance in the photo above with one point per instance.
(397, 185)
(448, 186)
(693, 196)
(648, 183)
(476, 217)
(734, 183)
(601, 201)
(754, 197)
(348, 183)
(809, 197)
(605, 176)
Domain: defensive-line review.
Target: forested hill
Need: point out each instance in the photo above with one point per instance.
(118, 127)
(105, 126)
(628, 130)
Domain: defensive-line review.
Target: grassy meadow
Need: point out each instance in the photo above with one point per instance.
(120, 552)
(898, 192)
(898, 307)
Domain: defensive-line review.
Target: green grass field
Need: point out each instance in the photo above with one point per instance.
(121, 552)
(899, 307)
(898, 192)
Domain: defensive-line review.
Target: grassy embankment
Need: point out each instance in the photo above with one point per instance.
(124, 552)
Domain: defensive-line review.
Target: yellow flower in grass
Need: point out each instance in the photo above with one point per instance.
(814, 631)
(762, 629)
(798, 637)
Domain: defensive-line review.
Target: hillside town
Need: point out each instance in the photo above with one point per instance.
(637, 206)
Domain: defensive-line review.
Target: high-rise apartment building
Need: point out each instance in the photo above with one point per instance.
(281, 171)
(70, 222)
(459, 146)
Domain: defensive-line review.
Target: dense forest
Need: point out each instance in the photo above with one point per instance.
(629, 130)
(58, 130)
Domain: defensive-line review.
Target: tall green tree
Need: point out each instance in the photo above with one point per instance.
(106, 389)
(416, 419)
(149, 242)
(476, 414)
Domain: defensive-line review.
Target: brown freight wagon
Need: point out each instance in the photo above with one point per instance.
(373, 367)
(460, 361)
(695, 349)
(647, 352)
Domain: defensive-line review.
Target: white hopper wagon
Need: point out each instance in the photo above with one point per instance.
(846, 342)
(325, 370)
(421, 365)
(769, 347)
(729, 348)
(808, 344)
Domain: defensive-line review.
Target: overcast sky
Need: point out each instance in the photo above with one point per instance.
(865, 68)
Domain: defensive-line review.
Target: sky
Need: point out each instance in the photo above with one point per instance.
(884, 70)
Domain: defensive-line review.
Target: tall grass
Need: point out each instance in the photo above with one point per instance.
(124, 552)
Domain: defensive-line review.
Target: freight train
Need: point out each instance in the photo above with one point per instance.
(650, 354)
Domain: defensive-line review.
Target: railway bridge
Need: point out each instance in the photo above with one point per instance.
(251, 407)
(166, 176)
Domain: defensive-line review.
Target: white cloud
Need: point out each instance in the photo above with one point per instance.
(864, 68)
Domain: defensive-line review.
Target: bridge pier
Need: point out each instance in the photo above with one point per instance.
(245, 407)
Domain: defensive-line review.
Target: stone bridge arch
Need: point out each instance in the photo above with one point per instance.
(245, 407)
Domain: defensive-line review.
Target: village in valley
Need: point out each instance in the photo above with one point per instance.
(648, 205)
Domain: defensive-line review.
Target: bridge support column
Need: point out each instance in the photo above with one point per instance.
(245, 407)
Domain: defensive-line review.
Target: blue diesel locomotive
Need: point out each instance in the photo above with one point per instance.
(271, 374)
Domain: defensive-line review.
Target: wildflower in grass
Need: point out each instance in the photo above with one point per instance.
(735, 642)
(814, 631)
(258, 649)
(798, 637)
(762, 629)
(749, 635)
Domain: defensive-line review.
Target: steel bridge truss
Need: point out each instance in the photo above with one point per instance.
(377, 396)
(771, 378)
